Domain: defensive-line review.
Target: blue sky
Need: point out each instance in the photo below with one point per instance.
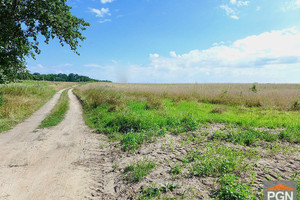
(182, 41)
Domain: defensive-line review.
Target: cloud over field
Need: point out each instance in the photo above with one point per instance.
(268, 57)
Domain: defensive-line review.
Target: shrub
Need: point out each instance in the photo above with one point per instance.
(254, 88)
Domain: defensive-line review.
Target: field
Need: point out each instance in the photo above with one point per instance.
(20, 100)
(209, 141)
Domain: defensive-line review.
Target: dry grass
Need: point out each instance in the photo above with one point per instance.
(274, 96)
(20, 100)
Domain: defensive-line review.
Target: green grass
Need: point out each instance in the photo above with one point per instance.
(135, 173)
(139, 118)
(58, 112)
(218, 160)
(20, 100)
(156, 192)
(231, 188)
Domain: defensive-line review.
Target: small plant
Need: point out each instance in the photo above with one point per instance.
(176, 170)
(296, 105)
(230, 188)
(254, 88)
(219, 110)
(155, 192)
(135, 173)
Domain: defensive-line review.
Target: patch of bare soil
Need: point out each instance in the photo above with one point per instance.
(109, 182)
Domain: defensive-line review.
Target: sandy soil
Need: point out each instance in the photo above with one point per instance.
(43, 164)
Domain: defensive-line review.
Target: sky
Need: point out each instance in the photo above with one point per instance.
(182, 41)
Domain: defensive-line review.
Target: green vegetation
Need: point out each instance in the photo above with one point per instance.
(156, 192)
(135, 173)
(246, 137)
(20, 100)
(222, 144)
(23, 21)
(56, 77)
(230, 188)
(58, 112)
(218, 160)
(138, 118)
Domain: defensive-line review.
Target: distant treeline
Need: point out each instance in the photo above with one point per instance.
(57, 77)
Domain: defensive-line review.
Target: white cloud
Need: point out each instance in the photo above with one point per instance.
(229, 11)
(100, 13)
(105, 20)
(106, 1)
(290, 5)
(268, 57)
(232, 10)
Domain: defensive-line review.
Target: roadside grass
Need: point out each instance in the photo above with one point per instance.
(135, 173)
(138, 118)
(58, 112)
(20, 100)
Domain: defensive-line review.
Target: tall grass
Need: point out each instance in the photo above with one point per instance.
(273, 96)
(20, 100)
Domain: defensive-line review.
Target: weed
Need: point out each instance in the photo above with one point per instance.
(246, 137)
(230, 188)
(218, 110)
(254, 88)
(296, 105)
(155, 192)
(135, 173)
(219, 160)
(176, 170)
(290, 135)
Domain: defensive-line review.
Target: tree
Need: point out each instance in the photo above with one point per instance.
(22, 21)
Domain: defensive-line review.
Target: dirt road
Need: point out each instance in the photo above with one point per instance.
(48, 163)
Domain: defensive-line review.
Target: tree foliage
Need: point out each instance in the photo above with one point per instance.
(56, 77)
(23, 21)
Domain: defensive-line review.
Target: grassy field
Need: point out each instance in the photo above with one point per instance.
(19, 100)
(58, 112)
(232, 143)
